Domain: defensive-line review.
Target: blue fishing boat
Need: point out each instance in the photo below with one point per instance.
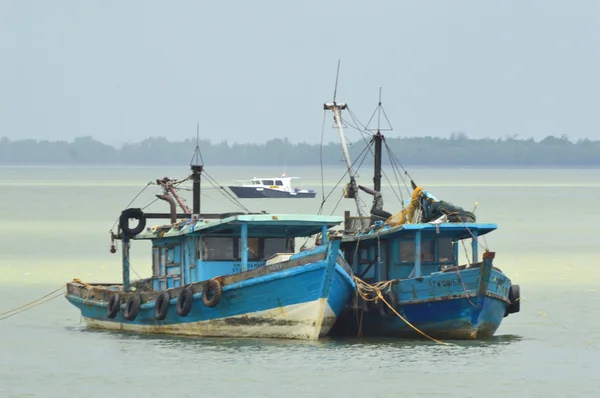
(232, 274)
(411, 282)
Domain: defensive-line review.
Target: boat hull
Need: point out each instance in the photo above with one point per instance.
(465, 305)
(254, 193)
(466, 318)
(302, 302)
(294, 321)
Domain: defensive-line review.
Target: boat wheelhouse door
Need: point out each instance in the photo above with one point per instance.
(166, 266)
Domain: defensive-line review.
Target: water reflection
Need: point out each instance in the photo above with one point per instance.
(327, 349)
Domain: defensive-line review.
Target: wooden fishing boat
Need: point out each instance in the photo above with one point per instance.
(412, 282)
(232, 274)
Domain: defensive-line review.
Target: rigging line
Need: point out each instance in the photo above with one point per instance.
(373, 115)
(386, 118)
(132, 200)
(357, 120)
(135, 272)
(395, 164)
(400, 198)
(321, 156)
(394, 169)
(394, 161)
(340, 180)
(197, 149)
(150, 204)
(380, 107)
(397, 174)
(226, 193)
(390, 151)
(337, 204)
(338, 183)
(359, 166)
(355, 128)
(365, 131)
(178, 182)
(222, 190)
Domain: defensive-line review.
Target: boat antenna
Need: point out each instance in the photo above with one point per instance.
(197, 155)
(351, 188)
(378, 139)
(337, 74)
(197, 169)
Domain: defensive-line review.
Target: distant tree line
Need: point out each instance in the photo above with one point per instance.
(457, 150)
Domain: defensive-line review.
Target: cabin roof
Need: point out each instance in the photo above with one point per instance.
(453, 230)
(259, 225)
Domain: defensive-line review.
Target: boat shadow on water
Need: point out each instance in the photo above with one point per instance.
(334, 343)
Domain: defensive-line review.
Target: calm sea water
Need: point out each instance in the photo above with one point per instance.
(54, 225)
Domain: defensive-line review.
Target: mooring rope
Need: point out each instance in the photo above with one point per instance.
(33, 303)
(363, 289)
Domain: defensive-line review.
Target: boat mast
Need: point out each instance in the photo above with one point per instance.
(353, 191)
(378, 138)
(377, 166)
(197, 168)
(337, 115)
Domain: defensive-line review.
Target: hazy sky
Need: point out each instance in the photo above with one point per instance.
(255, 70)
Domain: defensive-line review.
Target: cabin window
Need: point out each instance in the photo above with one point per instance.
(445, 250)
(253, 249)
(170, 255)
(427, 250)
(407, 251)
(267, 182)
(278, 245)
(278, 182)
(256, 182)
(218, 249)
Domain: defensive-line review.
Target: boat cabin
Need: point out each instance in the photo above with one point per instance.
(208, 248)
(412, 250)
(282, 183)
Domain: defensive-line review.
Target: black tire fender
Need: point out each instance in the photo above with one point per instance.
(132, 307)
(211, 294)
(113, 307)
(136, 214)
(161, 306)
(392, 300)
(184, 301)
(515, 298)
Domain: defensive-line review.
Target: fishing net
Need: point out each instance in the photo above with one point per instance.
(454, 213)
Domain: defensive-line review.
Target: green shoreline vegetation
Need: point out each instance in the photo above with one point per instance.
(457, 150)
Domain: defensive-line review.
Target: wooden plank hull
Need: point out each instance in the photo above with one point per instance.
(444, 305)
(301, 302)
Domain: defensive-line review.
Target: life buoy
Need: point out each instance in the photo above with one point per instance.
(384, 309)
(132, 307)
(211, 295)
(113, 306)
(136, 214)
(184, 301)
(161, 306)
